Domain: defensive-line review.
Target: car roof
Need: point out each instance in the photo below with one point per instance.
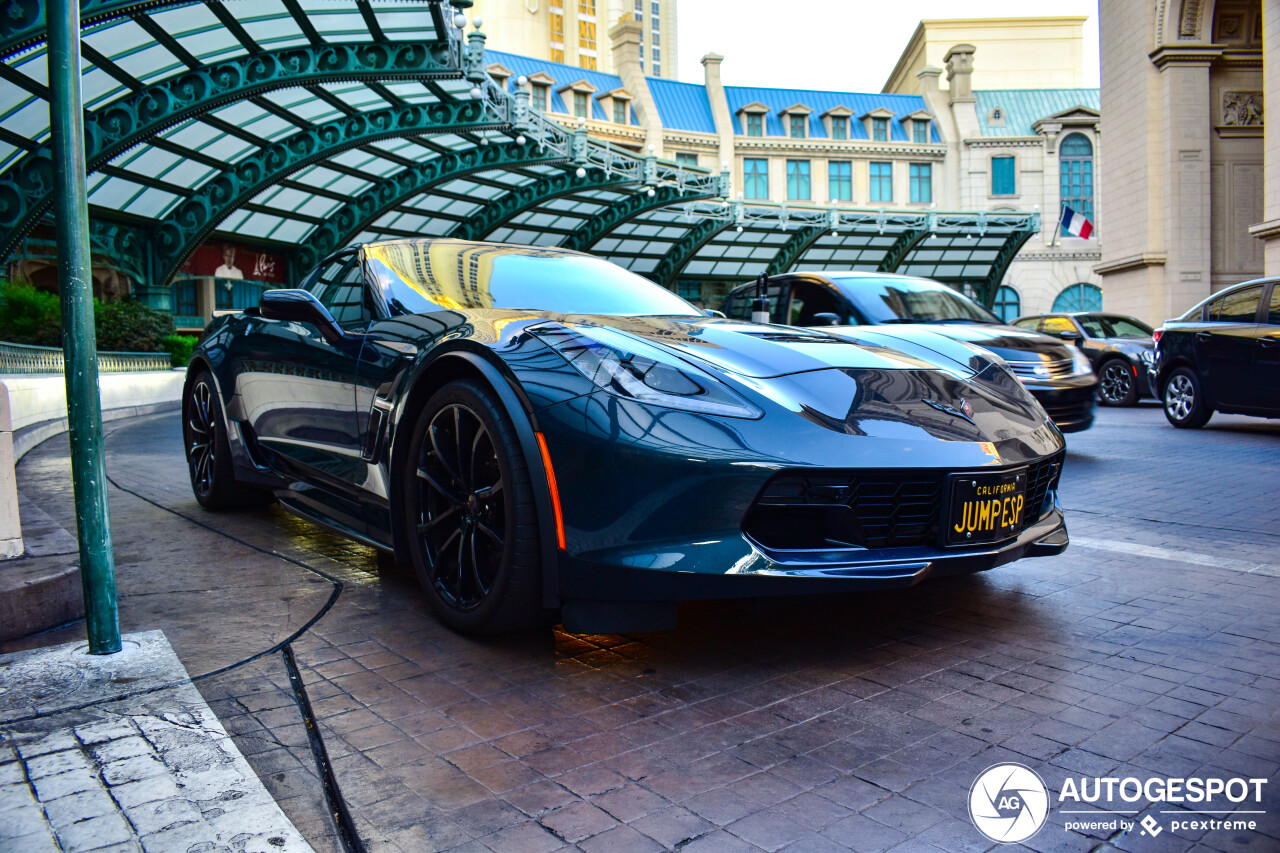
(832, 276)
(1253, 282)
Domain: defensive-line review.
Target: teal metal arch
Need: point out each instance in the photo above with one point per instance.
(589, 233)
(901, 247)
(343, 225)
(26, 188)
(503, 209)
(684, 249)
(178, 235)
(23, 22)
(790, 251)
(988, 287)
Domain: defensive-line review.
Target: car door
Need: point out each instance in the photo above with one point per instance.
(301, 402)
(810, 298)
(1225, 346)
(1266, 353)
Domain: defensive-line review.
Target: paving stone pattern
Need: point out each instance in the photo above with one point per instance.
(843, 723)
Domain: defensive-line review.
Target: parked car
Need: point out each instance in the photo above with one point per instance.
(535, 428)
(1121, 350)
(1223, 355)
(1058, 375)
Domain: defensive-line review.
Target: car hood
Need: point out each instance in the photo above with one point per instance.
(764, 351)
(1006, 341)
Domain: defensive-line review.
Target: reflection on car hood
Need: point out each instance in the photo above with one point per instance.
(993, 337)
(759, 351)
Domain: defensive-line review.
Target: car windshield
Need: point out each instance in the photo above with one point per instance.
(434, 275)
(911, 300)
(1114, 327)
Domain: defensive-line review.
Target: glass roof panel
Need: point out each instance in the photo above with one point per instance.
(152, 202)
(114, 193)
(292, 230)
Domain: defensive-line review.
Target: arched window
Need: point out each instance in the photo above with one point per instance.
(1080, 296)
(1007, 305)
(1075, 164)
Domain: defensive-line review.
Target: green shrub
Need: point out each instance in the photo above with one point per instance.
(130, 326)
(30, 316)
(180, 348)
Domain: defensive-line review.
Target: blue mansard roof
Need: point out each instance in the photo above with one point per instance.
(818, 101)
(1024, 107)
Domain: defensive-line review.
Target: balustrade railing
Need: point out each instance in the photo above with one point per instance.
(25, 359)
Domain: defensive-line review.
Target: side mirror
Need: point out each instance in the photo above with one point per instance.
(299, 306)
(711, 312)
(825, 318)
(1071, 335)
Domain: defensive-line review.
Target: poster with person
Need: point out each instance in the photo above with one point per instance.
(235, 261)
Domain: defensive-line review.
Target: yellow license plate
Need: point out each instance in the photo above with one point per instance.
(986, 507)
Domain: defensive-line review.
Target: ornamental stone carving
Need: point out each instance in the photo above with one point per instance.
(1242, 109)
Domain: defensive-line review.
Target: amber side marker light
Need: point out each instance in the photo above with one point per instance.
(555, 490)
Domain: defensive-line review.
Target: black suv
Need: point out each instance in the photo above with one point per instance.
(1120, 348)
(1059, 376)
(1223, 355)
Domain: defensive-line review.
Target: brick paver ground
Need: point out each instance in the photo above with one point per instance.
(846, 723)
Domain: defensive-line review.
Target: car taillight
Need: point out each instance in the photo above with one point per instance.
(1156, 335)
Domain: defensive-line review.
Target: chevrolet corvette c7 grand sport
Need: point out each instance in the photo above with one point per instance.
(536, 429)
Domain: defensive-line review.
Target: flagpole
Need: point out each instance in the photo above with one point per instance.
(1058, 227)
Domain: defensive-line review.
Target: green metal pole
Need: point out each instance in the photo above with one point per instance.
(84, 409)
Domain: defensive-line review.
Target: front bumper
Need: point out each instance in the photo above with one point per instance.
(1068, 403)
(681, 573)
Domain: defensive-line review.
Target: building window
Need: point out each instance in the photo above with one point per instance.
(881, 182)
(921, 182)
(755, 124)
(587, 61)
(797, 125)
(586, 35)
(557, 28)
(755, 178)
(684, 158)
(920, 132)
(557, 55)
(840, 180)
(657, 39)
(1004, 179)
(1080, 296)
(798, 180)
(1007, 305)
(839, 127)
(620, 112)
(540, 91)
(880, 130)
(639, 10)
(1075, 164)
(580, 104)
(657, 57)
(691, 290)
(586, 7)
(184, 297)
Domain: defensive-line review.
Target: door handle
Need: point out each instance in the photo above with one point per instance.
(1203, 336)
(1268, 342)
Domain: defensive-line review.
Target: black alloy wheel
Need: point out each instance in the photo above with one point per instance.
(1117, 385)
(470, 513)
(1184, 401)
(204, 434)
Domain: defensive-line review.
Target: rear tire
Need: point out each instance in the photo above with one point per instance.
(1185, 405)
(208, 452)
(470, 519)
(1117, 386)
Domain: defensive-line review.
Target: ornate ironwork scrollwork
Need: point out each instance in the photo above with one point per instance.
(684, 249)
(508, 206)
(586, 235)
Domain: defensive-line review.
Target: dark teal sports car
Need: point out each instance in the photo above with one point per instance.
(537, 429)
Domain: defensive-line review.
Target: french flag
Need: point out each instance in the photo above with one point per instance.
(1076, 224)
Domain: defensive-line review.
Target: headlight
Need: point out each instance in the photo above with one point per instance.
(1080, 364)
(627, 367)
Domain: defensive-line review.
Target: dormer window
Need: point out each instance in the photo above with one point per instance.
(796, 120)
(577, 98)
(580, 104)
(540, 84)
(879, 130)
(620, 112)
(500, 74)
(876, 123)
(839, 127)
(995, 118)
(539, 98)
(752, 118)
(920, 132)
(617, 104)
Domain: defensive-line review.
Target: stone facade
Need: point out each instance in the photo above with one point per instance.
(1187, 191)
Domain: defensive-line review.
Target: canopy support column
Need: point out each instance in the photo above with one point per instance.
(84, 409)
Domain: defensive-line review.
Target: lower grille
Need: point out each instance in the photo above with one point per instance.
(835, 509)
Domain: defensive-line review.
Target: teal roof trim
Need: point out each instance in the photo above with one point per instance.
(1024, 107)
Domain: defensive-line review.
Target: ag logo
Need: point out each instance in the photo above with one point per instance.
(1008, 803)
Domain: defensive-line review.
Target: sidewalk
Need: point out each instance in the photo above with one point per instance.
(120, 753)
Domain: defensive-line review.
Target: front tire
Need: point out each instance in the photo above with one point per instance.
(470, 518)
(1185, 405)
(208, 452)
(1117, 386)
